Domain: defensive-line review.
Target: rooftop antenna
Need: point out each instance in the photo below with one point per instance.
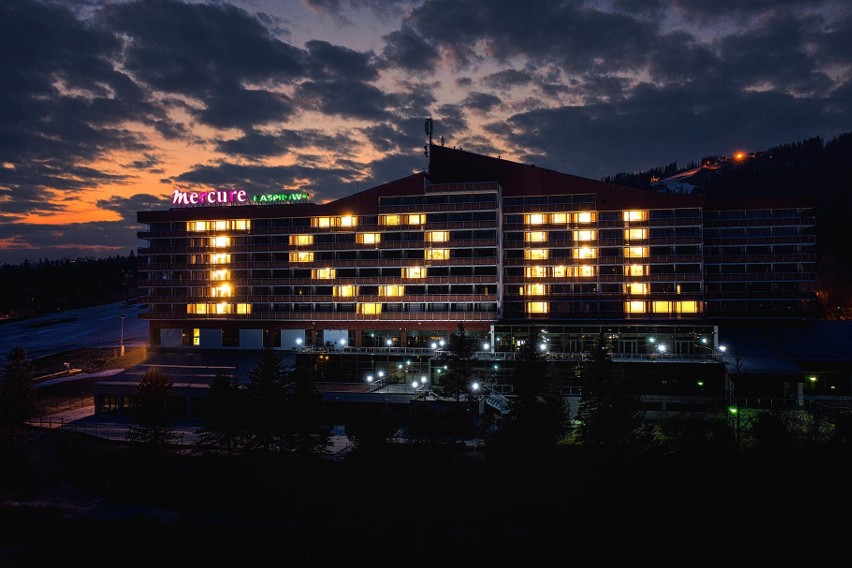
(428, 128)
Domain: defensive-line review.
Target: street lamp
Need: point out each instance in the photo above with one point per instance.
(122, 336)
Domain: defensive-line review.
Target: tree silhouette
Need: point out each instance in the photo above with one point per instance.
(457, 359)
(17, 393)
(223, 427)
(151, 423)
(266, 403)
(307, 432)
(610, 412)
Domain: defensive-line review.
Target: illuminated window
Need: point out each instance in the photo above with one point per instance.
(559, 218)
(533, 290)
(392, 290)
(535, 271)
(414, 272)
(241, 224)
(196, 336)
(220, 225)
(198, 309)
(199, 226)
(244, 309)
(390, 220)
(346, 291)
(635, 234)
(220, 258)
(635, 252)
(584, 270)
(301, 240)
(535, 219)
(661, 307)
(636, 288)
(538, 307)
(221, 291)
(222, 308)
(301, 256)
(688, 307)
(417, 219)
(635, 215)
(368, 238)
(536, 254)
(369, 309)
(560, 271)
(636, 270)
(321, 222)
(323, 273)
(218, 275)
(347, 221)
(437, 254)
(196, 226)
(634, 307)
(585, 235)
(220, 242)
(585, 217)
(437, 236)
(583, 253)
(535, 237)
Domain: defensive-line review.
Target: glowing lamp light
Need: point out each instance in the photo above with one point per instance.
(369, 378)
(661, 348)
(475, 386)
(485, 347)
(381, 374)
(434, 345)
(424, 380)
(733, 409)
(414, 384)
(812, 379)
(299, 341)
(723, 348)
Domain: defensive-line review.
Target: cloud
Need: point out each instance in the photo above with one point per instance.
(19, 241)
(342, 97)
(333, 61)
(127, 207)
(482, 102)
(408, 50)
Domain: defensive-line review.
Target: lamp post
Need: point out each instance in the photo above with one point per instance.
(122, 336)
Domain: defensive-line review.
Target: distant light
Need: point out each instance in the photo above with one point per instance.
(813, 379)
(485, 347)
(423, 379)
(703, 340)
(651, 339)
(723, 348)
(739, 156)
(542, 347)
(441, 343)
(434, 345)
(661, 348)
(399, 366)
(732, 409)
(343, 342)
(700, 383)
(475, 386)
(496, 367)
(388, 342)
(414, 384)
(381, 374)
(299, 341)
(369, 378)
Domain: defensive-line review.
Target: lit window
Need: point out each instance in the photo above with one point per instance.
(585, 253)
(437, 236)
(417, 219)
(635, 215)
(301, 240)
(661, 307)
(321, 222)
(584, 270)
(348, 221)
(220, 225)
(220, 242)
(241, 224)
(635, 252)
(196, 226)
(323, 273)
(196, 336)
(636, 270)
(221, 291)
(688, 307)
(536, 254)
(634, 307)
(220, 258)
(346, 291)
(535, 218)
(414, 272)
(390, 220)
(636, 288)
(535, 237)
(635, 234)
(392, 290)
(533, 290)
(222, 274)
(558, 218)
(368, 238)
(560, 271)
(301, 256)
(535, 271)
(538, 307)
(198, 309)
(369, 309)
(585, 235)
(437, 254)
(585, 217)
(244, 309)
(222, 308)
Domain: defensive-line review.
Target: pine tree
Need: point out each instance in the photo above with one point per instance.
(307, 430)
(266, 403)
(17, 392)
(457, 360)
(151, 423)
(223, 427)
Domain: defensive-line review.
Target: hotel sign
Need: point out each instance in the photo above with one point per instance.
(233, 196)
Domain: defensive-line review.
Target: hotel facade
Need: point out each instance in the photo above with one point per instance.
(496, 245)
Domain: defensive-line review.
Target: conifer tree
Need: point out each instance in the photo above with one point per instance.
(151, 423)
(17, 392)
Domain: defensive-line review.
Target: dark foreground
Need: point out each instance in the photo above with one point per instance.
(72, 499)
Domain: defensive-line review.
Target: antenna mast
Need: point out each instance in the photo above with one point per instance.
(428, 127)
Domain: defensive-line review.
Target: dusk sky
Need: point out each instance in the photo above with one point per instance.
(108, 106)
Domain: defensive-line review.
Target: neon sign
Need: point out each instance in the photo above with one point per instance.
(280, 197)
(208, 197)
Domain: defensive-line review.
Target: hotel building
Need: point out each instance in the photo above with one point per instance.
(496, 245)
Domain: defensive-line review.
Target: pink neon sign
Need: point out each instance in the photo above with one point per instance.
(208, 197)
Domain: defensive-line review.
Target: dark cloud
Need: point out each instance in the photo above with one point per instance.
(507, 79)
(409, 50)
(127, 207)
(263, 144)
(147, 162)
(333, 8)
(482, 102)
(707, 10)
(405, 137)
(74, 240)
(342, 97)
(333, 61)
